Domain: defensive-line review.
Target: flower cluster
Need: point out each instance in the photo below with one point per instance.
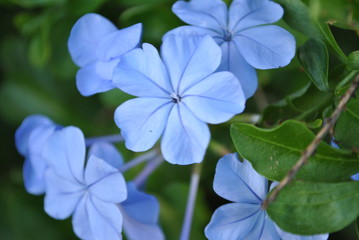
(202, 75)
(96, 195)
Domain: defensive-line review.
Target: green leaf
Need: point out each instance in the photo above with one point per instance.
(353, 60)
(306, 105)
(273, 152)
(311, 208)
(340, 13)
(357, 226)
(39, 49)
(347, 130)
(297, 16)
(37, 3)
(313, 56)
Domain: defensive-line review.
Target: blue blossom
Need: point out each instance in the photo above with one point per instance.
(240, 30)
(91, 194)
(239, 183)
(178, 95)
(96, 45)
(29, 139)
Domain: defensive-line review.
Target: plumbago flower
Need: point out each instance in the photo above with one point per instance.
(244, 218)
(29, 139)
(96, 45)
(178, 95)
(240, 30)
(97, 195)
(90, 194)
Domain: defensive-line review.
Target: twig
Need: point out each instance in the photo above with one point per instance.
(313, 145)
(187, 221)
(115, 138)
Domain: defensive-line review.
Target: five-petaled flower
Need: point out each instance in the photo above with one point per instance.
(90, 194)
(244, 218)
(178, 95)
(245, 41)
(96, 45)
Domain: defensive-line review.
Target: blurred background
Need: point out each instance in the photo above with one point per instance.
(38, 76)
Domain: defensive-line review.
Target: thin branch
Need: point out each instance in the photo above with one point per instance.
(148, 170)
(115, 138)
(187, 222)
(309, 151)
(138, 160)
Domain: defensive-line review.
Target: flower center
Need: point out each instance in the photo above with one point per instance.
(175, 97)
(227, 35)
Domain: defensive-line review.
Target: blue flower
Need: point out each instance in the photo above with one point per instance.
(244, 218)
(91, 194)
(177, 94)
(29, 139)
(245, 41)
(96, 45)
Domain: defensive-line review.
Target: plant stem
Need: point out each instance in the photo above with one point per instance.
(187, 222)
(109, 138)
(218, 148)
(146, 172)
(138, 160)
(309, 151)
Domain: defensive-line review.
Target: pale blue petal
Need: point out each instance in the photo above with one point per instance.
(105, 219)
(291, 236)
(142, 73)
(266, 47)
(189, 59)
(24, 130)
(208, 14)
(268, 231)
(186, 138)
(233, 61)
(62, 195)
(107, 152)
(238, 182)
(81, 221)
(216, 98)
(34, 184)
(140, 215)
(355, 177)
(85, 36)
(119, 42)
(35, 165)
(104, 69)
(244, 14)
(194, 30)
(142, 121)
(38, 138)
(64, 152)
(89, 82)
(101, 178)
(235, 221)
